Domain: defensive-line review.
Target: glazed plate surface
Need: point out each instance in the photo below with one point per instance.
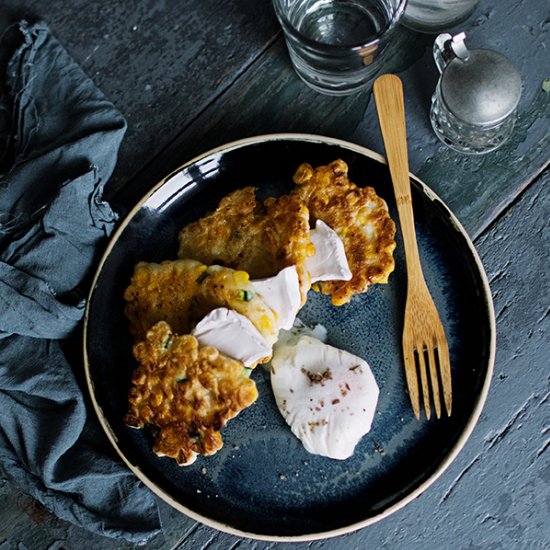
(263, 484)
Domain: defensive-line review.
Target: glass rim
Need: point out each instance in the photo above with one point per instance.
(336, 48)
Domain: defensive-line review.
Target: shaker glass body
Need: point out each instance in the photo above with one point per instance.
(464, 137)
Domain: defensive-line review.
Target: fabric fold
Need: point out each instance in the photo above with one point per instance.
(64, 139)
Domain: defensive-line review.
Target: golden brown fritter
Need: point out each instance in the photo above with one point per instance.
(359, 217)
(182, 292)
(186, 393)
(260, 238)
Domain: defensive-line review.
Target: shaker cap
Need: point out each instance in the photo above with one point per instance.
(480, 86)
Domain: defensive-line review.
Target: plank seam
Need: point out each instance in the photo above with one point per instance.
(484, 230)
(241, 73)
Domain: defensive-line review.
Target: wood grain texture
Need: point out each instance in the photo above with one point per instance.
(388, 96)
(27, 525)
(495, 494)
(478, 188)
(190, 75)
(161, 63)
(423, 333)
(268, 97)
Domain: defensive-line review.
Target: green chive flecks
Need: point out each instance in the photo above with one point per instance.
(246, 295)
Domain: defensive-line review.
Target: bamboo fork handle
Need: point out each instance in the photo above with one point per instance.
(425, 348)
(388, 95)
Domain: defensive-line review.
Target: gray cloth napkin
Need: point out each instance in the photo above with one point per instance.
(62, 137)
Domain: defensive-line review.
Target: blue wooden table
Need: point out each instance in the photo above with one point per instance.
(189, 75)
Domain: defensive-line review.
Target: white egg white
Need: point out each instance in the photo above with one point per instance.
(327, 396)
(329, 263)
(233, 335)
(282, 294)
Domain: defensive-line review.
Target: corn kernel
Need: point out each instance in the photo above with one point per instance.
(362, 216)
(241, 278)
(265, 322)
(303, 173)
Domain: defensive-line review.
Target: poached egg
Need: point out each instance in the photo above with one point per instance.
(327, 396)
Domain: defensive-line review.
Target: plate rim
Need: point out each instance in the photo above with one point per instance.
(445, 463)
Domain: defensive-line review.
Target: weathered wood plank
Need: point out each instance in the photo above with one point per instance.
(161, 63)
(269, 97)
(478, 494)
(26, 524)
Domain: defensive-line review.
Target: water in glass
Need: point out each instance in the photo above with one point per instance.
(343, 23)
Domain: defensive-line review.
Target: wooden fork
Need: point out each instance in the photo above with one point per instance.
(425, 346)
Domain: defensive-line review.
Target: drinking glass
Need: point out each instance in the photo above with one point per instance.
(337, 46)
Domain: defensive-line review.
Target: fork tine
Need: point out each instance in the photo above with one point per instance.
(424, 380)
(445, 372)
(435, 381)
(422, 322)
(412, 378)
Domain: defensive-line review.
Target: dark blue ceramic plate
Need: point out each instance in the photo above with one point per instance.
(263, 483)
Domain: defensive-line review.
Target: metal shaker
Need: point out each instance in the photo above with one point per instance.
(475, 102)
